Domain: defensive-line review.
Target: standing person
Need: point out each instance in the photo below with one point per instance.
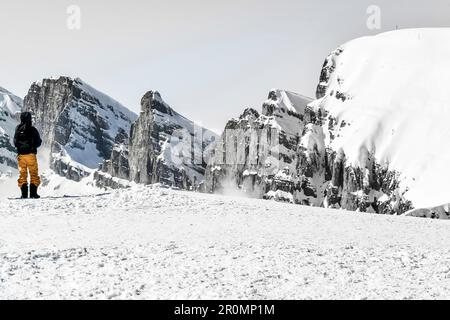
(27, 140)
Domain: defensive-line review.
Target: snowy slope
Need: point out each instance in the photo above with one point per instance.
(10, 102)
(153, 243)
(389, 94)
(10, 106)
(115, 115)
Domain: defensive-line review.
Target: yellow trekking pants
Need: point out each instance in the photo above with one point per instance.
(28, 162)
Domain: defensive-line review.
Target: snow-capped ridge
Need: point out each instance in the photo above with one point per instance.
(397, 113)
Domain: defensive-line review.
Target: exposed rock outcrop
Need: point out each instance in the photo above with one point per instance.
(328, 68)
(117, 165)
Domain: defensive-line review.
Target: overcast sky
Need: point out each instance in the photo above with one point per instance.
(209, 59)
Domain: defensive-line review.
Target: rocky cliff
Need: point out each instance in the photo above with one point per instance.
(269, 155)
(78, 124)
(286, 154)
(10, 107)
(164, 147)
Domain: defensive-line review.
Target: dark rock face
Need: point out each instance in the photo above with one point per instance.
(371, 189)
(118, 164)
(328, 68)
(143, 142)
(260, 153)
(166, 147)
(285, 154)
(69, 169)
(77, 123)
(7, 153)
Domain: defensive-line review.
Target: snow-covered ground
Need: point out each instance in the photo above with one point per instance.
(150, 242)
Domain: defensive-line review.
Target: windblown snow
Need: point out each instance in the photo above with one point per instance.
(147, 242)
(390, 94)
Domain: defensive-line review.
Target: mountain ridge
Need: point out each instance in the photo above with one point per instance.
(359, 136)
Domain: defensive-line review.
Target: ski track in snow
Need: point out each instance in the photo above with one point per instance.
(155, 243)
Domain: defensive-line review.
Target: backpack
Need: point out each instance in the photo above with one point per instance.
(24, 139)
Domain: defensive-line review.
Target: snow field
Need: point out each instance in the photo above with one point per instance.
(155, 243)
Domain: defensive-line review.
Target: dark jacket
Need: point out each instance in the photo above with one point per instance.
(26, 139)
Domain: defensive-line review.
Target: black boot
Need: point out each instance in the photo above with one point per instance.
(24, 189)
(33, 192)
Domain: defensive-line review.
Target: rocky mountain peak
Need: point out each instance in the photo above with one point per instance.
(163, 147)
(78, 123)
(152, 100)
(249, 113)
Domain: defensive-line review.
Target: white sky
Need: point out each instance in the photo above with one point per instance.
(209, 59)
